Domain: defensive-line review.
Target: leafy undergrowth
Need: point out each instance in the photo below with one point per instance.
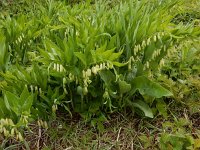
(100, 74)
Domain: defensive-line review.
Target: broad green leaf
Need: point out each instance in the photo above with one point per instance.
(27, 104)
(68, 52)
(18, 104)
(12, 102)
(107, 53)
(107, 76)
(3, 110)
(124, 87)
(26, 100)
(115, 56)
(148, 87)
(143, 107)
(24, 95)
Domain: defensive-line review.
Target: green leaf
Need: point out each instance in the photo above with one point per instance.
(148, 87)
(143, 107)
(3, 110)
(107, 76)
(23, 96)
(101, 49)
(82, 57)
(162, 108)
(12, 102)
(107, 54)
(68, 52)
(4, 56)
(115, 56)
(26, 100)
(52, 47)
(124, 87)
(118, 64)
(17, 104)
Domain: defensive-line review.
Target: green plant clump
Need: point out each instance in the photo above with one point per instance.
(92, 59)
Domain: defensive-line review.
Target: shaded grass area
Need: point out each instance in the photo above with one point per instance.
(120, 132)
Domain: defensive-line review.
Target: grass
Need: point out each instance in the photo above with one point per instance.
(121, 132)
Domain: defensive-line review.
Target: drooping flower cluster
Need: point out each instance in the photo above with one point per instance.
(153, 39)
(94, 70)
(147, 42)
(58, 67)
(35, 89)
(8, 129)
(20, 38)
(42, 124)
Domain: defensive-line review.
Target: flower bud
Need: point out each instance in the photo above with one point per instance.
(143, 44)
(31, 88)
(36, 89)
(38, 122)
(88, 73)
(85, 90)
(54, 66)
(54, 108)
(20, 137)
(103, 66)
(94, 70)
(40, 90)
(97, 68)
(22, 35)
(147, 64)
(84, 73)
(12, 132)
(159, 38)
(10, 122)
(45, 124)
(154, 38)
(6, 122)
(5, 132)
(162, 62)
(61, 68)
(65, 91)
(85, 82)
(64, 81)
